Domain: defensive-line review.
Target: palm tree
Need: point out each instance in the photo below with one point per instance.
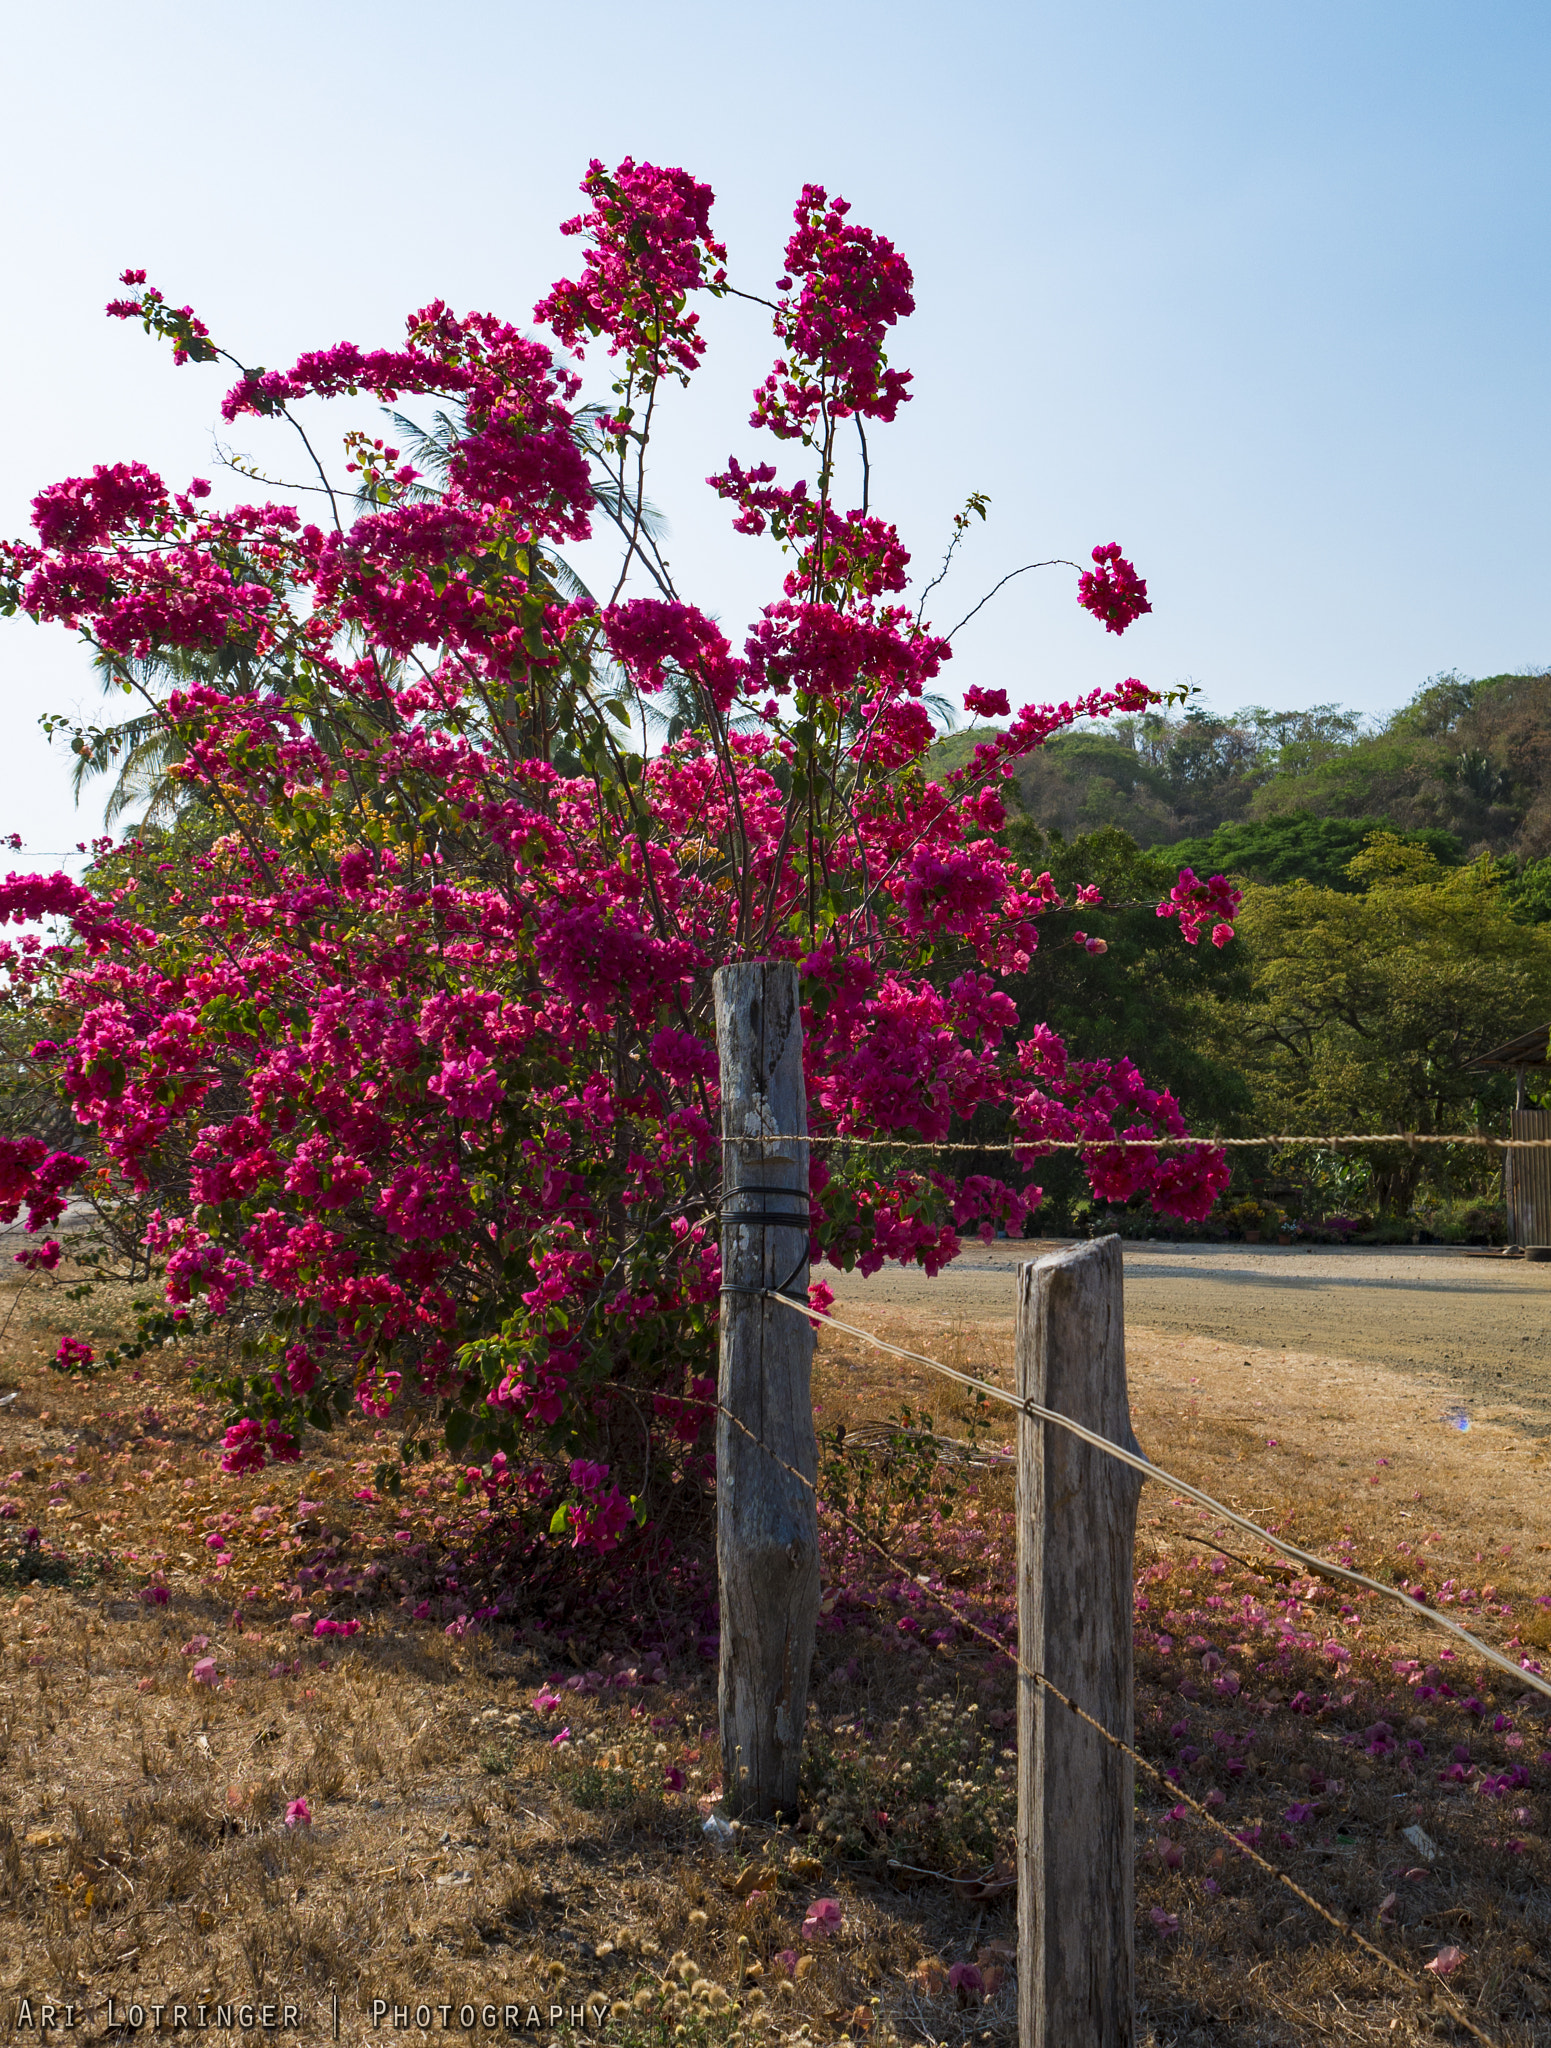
(432, 451)
(142, 748)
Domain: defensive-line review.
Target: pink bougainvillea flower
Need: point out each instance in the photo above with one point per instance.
(785, 1960)
(559, 1741)
(968, 1982)
(204, 1672)
(1446, 1961)
(1166, 1923)
(453, 1113)
(822, 1918)
(298, 1814)
(301, 1619)
(194, 1645)
(249, 1443)
(983, 703)
(1196, 903)
(673, 1778)
(1112, 590)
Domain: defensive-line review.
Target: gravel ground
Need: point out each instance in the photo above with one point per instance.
(1480, 1328)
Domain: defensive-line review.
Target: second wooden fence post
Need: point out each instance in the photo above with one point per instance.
(1076, 1537)
(767, 1525)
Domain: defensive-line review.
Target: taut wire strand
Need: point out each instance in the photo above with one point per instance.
(1170, 1790)
(1099, 1143)
(1148, 1470)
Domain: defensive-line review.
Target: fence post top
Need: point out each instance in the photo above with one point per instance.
(732, 968)
(1074, 1254)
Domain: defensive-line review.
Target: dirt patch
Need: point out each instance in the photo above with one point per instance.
(1324, 1446)
(1477, 1329)
(499, 1816)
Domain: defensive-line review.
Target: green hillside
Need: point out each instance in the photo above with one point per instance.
(1464, 769)
(1298, 847)
(1396, 923)
(1469, 759)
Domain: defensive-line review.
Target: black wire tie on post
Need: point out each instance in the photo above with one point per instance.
(792, 1220)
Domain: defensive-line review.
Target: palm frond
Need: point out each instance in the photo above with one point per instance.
(144, 781)
(117, 741)
(431, 451)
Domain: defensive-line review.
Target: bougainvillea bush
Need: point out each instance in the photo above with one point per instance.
(400, 1039)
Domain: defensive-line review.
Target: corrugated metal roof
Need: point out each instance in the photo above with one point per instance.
(1527, 1050)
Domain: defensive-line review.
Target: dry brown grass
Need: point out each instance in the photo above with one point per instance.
(454, 1855)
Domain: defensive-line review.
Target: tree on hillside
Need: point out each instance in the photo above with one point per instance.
(1086, 781)
(1526, 887)
(1366, 1007)
(1141, 987)
(1296, 846)
(1468, 757)
(1159, 777)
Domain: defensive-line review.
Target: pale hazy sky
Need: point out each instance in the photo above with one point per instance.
(1260, 291)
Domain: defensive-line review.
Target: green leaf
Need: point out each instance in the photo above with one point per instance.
(458, 1429)
(560, 1520)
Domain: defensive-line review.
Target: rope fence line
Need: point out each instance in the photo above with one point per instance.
(1005, 1144)
(1322, 1567)
(1167, 1786)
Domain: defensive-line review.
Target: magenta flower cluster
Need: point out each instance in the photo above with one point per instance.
(250, 1444)
(1113, 591)
(415, 1045)
(845, 287)
(649, 246)
(1197, 904)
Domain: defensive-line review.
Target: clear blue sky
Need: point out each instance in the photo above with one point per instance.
(1259, 291)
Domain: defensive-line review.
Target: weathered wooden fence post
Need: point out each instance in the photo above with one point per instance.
(767, 1527)
(1076, 1534)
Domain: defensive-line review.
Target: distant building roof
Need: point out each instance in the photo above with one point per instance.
(1527, 1050)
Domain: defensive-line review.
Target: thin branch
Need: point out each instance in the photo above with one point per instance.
(1055, 562)
(318, 466)
(753, 298)
(239, 464)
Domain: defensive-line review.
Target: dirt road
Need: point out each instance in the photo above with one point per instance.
(1479, 1329)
